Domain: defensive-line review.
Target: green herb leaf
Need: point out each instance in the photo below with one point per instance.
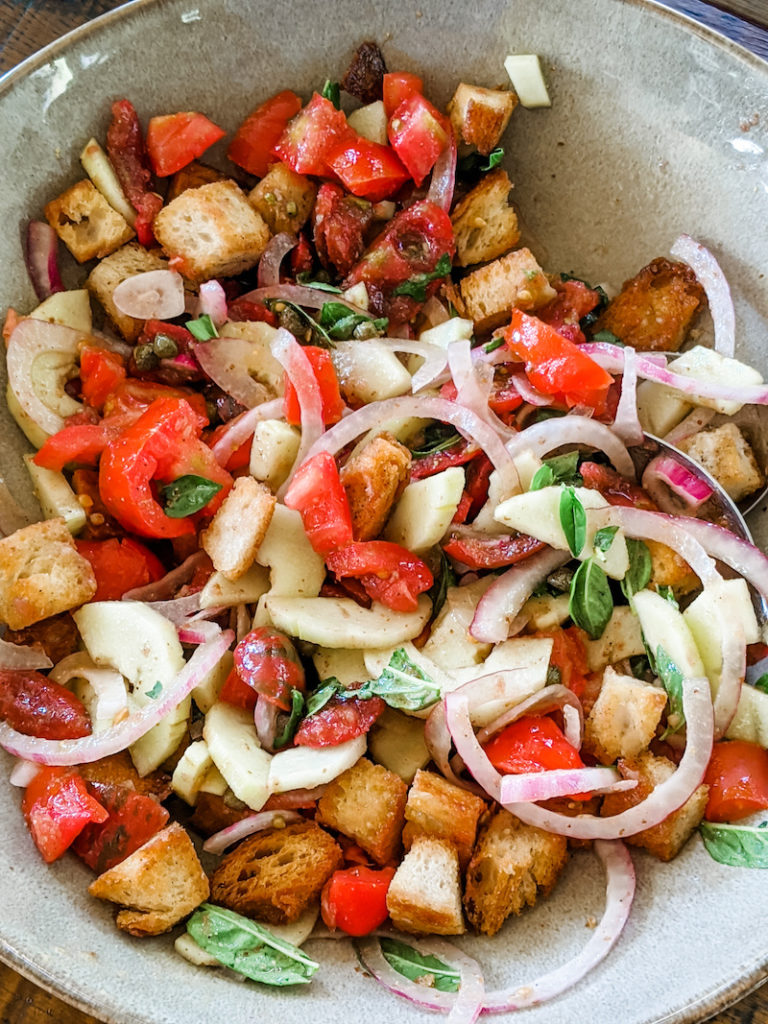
(203, 328)
(328, 688)
(402, 685)
(640, 566)
(608, 337)
(427, 970)
(560, 469)
(340, 321)
(317, 333)
(156, 690)
(554, 676)
(494, 343)
(543, 477)
(303, 277)
(416, 286)
(762, 683)
(332, 91)
(292, 724)
(641, 667)
(437, 438)
(590, 604)
(604, 538)
(672, 680)
(573, 520)
(444, 577)
(249, 948)
(187, 494)
(738, 846)
(669, 595)
(494, 159)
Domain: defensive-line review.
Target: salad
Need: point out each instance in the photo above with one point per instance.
(360, 599)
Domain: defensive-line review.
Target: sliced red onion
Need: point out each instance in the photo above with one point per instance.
(165, 588)
(212, 301)
(551, 698)
(13, 656)
(664, 474)
(265, 719)
(220, 841)
(127, 732)
(474, 382)
(107, 684)
(529, 393)
(626, 423)
(463, 735)
(225, 361)
(741, 555)
(695, 421)
(292, 357)
(199, 632)
(545, 437)
(435, 359)
(620, 875)
(22, 773)
(733, 671)
(300, 295)
(434, 312)
(712, 279)
(547, 785)
(29, 340)
(153, 295)
(242, 427)
(444, 176)
(178, 609)
(269, 264)
(504, 599)
(41, 258)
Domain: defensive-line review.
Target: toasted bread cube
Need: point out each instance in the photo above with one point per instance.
(439, 809)
(284, 199)
(274, 876)
(192, 176)
(490, 293)
(624, 717)
(479, 116)
(86, 223)
(374, 478)
(666, 839)
(725, 453)
(366, 803)
(162, 882)
(424, 897)
(211, 231)
(655, 308)
(484, 223)
(511, 865)
(41, 574)
(238, 528)
(106, 276)
(668, 569)
(118, 771)
(622, 638)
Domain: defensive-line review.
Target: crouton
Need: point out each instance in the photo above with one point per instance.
(479, 116)
(41, 574)
(374, 478)
(214, 812)
(511, 865)
(106, 276)
(117, 772)
(655, 308)
(238, 528)
(666, 839)
(424, 897)
(726, 454)
(439, 809)
(284, 199)
(275, 875)
(86, 223)
(668, 569)
(161, 883)
(492, 292)
(366, 803)
(624, 717)
(192, 176)
(622, 638)
(484, 223)
(211, 231)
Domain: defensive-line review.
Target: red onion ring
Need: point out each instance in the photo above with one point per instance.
(626, 423)
(664, 474)
(265, 719)
(41, 259)
(542, 438)
(269, 265)
(23, 772)
(550, 698)
(242, 427)
(15, 656)
(741, 555)
(444, 176)
(529, 393)
(289, 353)
(225, 361)
(212, 302)
(435, 359)
(200, 632)
(695, 421)
(712, 279)
(474, 382)
(220, 841)
(300, 295)
(107, 683)
(32, 338)
(501, 603)
(178, 609)
(152, 295)
(529, 787)
(434, 312)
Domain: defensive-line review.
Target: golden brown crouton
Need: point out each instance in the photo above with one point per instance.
(274, 875)
(668, 569)
(511, 865)
(725, 453)
(161, 882)
(666, 839)
(86, 223)
(439, 809)
(284, 199)
(624, 717)
(117, 771)
(484, 223)
(622, 638)
(655, 308)
(366, 803)
(374, 478)
(238, 528)
(106, 276)
(492, 292)
(41, 574)
(479, 116)
(211, 231)
(192, 176)
(424, 897)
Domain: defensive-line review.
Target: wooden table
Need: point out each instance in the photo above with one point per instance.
(27, 25)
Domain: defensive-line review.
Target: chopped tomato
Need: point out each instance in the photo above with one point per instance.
(35, 705)
(569, 657)
(246, 309)
(311, 135)
(478, 477)
(100, 373)
(483, 552)
(175, 140)
(133, 818)
(339, 721)
(613, 486)
(355, 899)
(318, 495)
(389, 573)
(737, 777)
(504, 397)
(127, 152)
(80, 443)
(367, 168)
(267, 662)
(573, 301)
(398, 86)
(340, 222)
(458, 454)
(120, 565)
(136, 396)
(327, 381)
(57, 806)
(418, 133)
(534, 743)
(237, 692)
(554, 364)
(240, 457)
(302, 259)
(252, 148)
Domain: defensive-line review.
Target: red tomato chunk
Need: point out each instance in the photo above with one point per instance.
(37, 706)
(737, 777)
(355, 899)
(57, 806)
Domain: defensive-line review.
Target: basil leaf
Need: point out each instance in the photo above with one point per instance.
(322, 286)
(332, 91)
(340, 321)
(437, 438)
(416, 286)
(669, 595)
(672, 680)
(573, 520)
(543, 477)
(608, 337)
(427, 970)
(292, 723)
(493, 344)
(738, 846)
(155, 692)
(604, 538)
(641, 667)
(315, 334)
(402, 685)
(640, 566)
(590, 604)
(444, 577)
(762, 683)
(203, 328)
(329, 688)
(494, 159)
(560, 469)
(187, 494)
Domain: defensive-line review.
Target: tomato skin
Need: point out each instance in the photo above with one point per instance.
(398, 86)
(266, 661)
(175, 140)
(327, 381)
(389, 573)
(737, 777)
(57, 806)
(132, 819)
(573, 301)
(355, 899)
(100, 373)
(252, 148)
(339, 223)
(80, 443)
(245, 309)
(367, 168)
(338, 722)
(614, 488)
(533, 743)
(318, 495)
(35, 705)
(457, 455)
(120, 565)
(569, 656)
(311, 135)
(491, 552)
(127, 152)
(418, 133)
(133, 397)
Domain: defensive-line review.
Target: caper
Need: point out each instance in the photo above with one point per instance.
(366, 329)
(165, 347)
(145, 357)
(292, 321)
